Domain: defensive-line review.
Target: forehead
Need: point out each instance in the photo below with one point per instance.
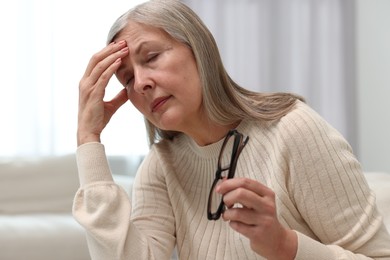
(134, 33)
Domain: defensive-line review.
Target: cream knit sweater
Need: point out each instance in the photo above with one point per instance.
(320, 192)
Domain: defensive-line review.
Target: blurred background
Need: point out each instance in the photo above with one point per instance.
(335, 53)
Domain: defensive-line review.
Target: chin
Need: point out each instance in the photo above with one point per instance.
(169, 124)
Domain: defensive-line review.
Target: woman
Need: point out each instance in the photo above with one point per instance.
(293, 189)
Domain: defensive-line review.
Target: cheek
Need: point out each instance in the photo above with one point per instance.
(194, 88)
(198, 99)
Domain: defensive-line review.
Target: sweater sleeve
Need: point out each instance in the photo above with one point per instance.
(103, 208)
(331, 193)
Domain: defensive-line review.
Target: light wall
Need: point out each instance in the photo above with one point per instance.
(373, 75)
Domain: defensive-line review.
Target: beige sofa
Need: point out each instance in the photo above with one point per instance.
(36, 198)
(35, 208)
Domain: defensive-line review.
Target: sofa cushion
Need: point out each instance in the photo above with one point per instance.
(45, 184)
(38, 185)
(42, 237)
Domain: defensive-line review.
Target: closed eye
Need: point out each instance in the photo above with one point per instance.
(152, 57)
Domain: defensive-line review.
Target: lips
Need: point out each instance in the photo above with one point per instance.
(158, 102)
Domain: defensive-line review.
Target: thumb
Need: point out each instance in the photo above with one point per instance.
(118, 100)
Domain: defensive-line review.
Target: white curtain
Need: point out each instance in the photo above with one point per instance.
(301, 46)
(45, 47)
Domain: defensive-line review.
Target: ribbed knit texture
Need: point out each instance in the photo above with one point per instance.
(320, 191)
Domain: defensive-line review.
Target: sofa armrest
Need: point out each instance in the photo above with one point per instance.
(379, 182)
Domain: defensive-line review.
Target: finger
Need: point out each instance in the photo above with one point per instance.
(103, 54)
(98, 75)
(118, 101)
(242, 228)
(245, 197)
(96, 91)
(105, 76)
(106, 65)
(242, 215)
(249, 184)
(249, 193)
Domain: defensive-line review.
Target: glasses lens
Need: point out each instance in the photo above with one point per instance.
(215, 199)
(226, 156)
(224, 167)
(227, 160)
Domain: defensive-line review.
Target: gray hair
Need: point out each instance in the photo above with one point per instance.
(224, 101)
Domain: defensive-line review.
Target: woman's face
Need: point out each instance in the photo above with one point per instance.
(161, 78)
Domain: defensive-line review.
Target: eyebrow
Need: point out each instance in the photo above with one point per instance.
(141, 46)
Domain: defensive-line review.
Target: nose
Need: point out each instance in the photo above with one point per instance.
(142, 81)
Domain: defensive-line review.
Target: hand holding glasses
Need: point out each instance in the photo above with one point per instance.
(225, 170)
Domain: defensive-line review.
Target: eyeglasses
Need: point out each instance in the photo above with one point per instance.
(226, 170)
